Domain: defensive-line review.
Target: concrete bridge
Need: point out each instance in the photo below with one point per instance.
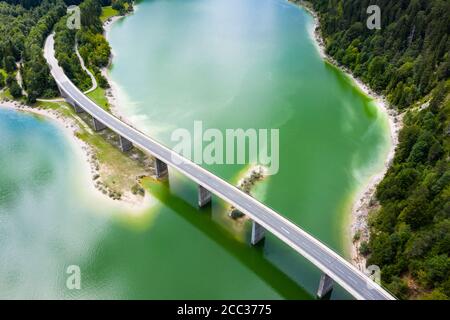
(334, 267)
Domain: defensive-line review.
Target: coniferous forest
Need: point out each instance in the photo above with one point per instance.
(24, 25)
(408, 61)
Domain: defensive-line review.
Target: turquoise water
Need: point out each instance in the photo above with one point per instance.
(253, 64)
(230, 64)
(49, 221)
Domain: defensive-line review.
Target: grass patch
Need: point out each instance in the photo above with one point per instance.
(5, 94)
(117, 169)
(4, 73)
(99, 97)
(108, 12)
(63, 107)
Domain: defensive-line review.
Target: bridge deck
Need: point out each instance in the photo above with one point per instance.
(345, 274)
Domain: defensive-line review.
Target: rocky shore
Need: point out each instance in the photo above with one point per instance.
(246, 183)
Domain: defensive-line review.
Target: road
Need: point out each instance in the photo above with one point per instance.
(83, 66)
(341, 271)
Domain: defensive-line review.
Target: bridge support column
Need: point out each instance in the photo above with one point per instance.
(61, 92)
(258, 233)
(98, 125)
(161, 168)
(204, 196)
(325, 286)
(77, 108)
(70, 101)
(125, 144)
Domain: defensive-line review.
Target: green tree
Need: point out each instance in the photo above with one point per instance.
(10, 64)
(2, 80)
(436, 269)
(15, 89)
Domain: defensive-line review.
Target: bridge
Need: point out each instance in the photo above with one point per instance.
(334, 268)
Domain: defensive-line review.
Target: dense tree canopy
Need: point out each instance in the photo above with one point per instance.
(92, 45)
(23, 33)
(405, 59)
(67, 58)
(27, 4)
(408, 60)
(24, 25)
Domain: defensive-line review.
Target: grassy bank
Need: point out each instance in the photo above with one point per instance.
(108, 12)
(409, 223)
(99, 97)
(116, 174)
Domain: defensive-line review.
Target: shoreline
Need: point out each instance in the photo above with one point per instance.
(112, 93)
(67, 126)
(247, 179)
(362, 203)
(85, 153)
(364, 196)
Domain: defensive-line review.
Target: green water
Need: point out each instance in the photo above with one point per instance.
(231, 64)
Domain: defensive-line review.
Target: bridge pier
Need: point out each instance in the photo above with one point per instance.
(98, 125)
(125, 144)
(204, 196)
(258, 233)
(61, 92)
(325, 286)
(72, 102)
(161, 168)
(77, 108)
(64, 95)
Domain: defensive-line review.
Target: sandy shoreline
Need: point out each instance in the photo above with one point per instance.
(85, 153)
(69, 128)
(363, 203)
(112, 93)
(364, 199)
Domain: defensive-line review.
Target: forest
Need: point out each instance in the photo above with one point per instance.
(92, 45)
(23, 33)
(408, 61)
(24, 26)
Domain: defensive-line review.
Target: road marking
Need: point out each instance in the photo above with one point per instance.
(339, 269)
(258, 210)
(285, 230)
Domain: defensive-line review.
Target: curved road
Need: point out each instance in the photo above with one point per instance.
(83, 66)
(340, 270)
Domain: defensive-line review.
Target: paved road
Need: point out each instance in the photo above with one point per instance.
(342, 272)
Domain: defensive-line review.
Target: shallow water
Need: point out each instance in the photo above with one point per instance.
(231, 64)
(252, 64)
